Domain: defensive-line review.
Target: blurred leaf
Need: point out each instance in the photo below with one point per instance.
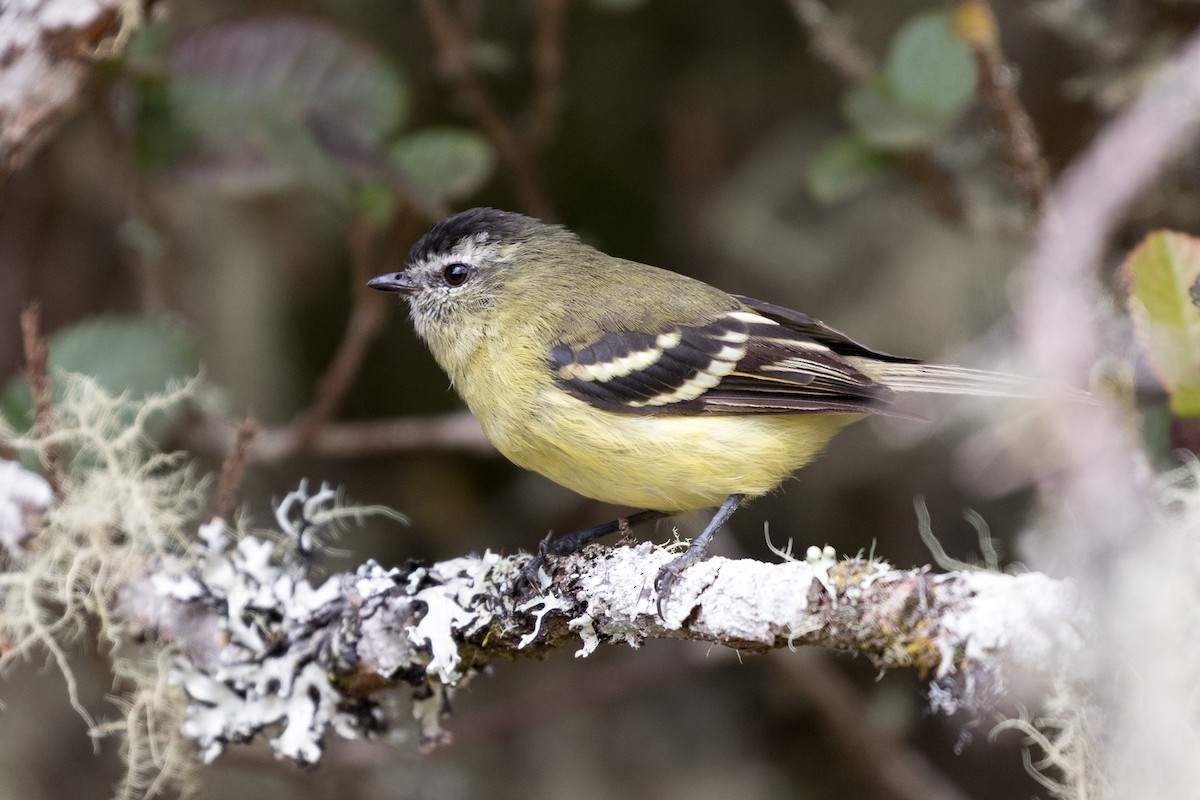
(844, 165)
(929, 68)
(927, 82)
(375, 202)
(1161, 271)
(267, 97)
(881, 121)
(444, 162)
(136, 356)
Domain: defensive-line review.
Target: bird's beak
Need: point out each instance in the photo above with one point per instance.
(396, 282)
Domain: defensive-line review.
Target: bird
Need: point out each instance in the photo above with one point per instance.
(637, 386)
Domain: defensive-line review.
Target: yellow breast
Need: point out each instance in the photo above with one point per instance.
(659, 462)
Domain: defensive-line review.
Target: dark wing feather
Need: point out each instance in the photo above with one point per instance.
(818, 331)
(762, 359)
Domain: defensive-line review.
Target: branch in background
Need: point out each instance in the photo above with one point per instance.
(1061, 333)
(45, 48)
(455, 53)
(546, 54)
(233, 469)
(846, 717)
(997, 90)
(1103, 526)
(935, 183)
(457, 430)
(366, 318)
(832, 44)
(317, 653)
(37, 373)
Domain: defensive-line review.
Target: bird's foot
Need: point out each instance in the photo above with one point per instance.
(528, 582)
(697, 550)
(670, 573)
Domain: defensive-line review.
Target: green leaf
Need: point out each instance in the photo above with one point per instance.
(375, 202)
(445, 162)
(882, 122)
(276, 99)
(928, 81)
(843, 166)
(136, 356)
(1162, 271)
(929, 69)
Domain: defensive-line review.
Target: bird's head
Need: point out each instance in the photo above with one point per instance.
(458, 270)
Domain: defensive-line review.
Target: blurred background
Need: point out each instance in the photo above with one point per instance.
(232, 179)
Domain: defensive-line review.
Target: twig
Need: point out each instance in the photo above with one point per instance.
(832, 43)
(454, 51)
(976, 25)
(233, 469)
(365, 320)
(457, 430)
(37, 373)
(547, 58)
(897, 767)
(940, 192)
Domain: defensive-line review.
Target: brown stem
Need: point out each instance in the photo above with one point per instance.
(456, 430)
(454, 51)
(832, 43)
(547, 58)
(37, 373)
(368, 247)
(232, 470)
(976, 25)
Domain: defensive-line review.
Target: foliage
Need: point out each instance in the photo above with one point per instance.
(926, 84)
(1163, 274)
(135, 357)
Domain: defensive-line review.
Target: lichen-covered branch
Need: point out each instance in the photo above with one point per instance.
(45, 47)
(266, 649)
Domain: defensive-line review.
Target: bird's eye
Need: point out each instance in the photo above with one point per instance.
(456, 274)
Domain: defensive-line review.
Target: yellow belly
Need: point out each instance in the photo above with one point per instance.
(659, 462)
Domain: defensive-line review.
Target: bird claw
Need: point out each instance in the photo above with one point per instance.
(669, 574)
(528, 581)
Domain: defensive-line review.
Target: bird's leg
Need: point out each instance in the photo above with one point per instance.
(696, 551)
(572, 542)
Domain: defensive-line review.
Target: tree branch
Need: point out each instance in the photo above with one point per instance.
(455, 430)
(309, 658)
(454, 51)
(44, 52)
(997, 91)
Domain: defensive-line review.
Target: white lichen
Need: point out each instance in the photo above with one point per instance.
(121, 508)
(24, 497)
(268, 673)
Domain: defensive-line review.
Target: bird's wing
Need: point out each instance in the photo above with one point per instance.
(756, 359)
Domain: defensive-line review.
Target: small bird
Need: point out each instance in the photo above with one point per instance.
(637, 386)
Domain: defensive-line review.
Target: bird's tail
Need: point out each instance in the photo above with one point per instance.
(947, 379)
